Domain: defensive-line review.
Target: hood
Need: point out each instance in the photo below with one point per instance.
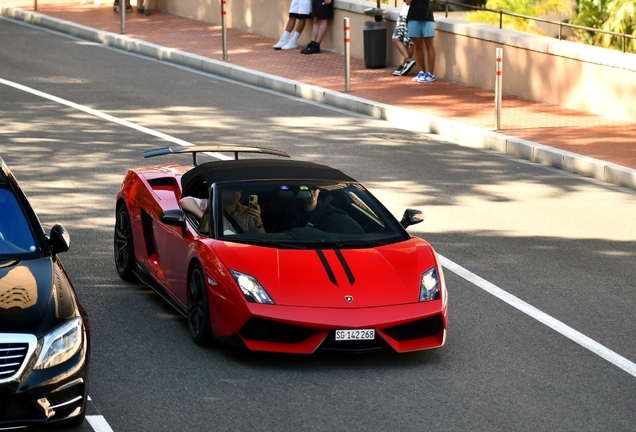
(33, 292)
(381, 276)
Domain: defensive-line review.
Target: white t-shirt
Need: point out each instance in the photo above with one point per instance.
(405, 10)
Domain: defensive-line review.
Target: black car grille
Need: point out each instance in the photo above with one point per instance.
(12, 356)
(63, 396)
(415, 329)
(272, 331)
(15, 409)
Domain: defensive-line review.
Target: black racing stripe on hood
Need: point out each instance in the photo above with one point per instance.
(327, 267)
(345, 266)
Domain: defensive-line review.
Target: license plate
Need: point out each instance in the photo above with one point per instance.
(360, 334)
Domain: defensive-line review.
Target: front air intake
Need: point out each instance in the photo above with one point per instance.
(416, 329)
(259, 329)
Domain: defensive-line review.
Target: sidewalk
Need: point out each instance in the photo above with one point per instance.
(559, 128)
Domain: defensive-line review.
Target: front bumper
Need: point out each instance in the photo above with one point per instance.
(302, 330)
(50, 396)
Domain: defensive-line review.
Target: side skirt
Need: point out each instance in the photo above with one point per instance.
(146, 278)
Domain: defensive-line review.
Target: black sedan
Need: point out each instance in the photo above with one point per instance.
(44, 331)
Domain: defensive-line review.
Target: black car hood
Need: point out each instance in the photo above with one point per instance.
(34, 296)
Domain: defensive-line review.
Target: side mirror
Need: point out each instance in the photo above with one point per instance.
(59, 240)
(174, 217)
(411, 217)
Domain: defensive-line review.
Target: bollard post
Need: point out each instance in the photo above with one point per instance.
(498, 78)
(347, 54)
(224, 30)
(122, 11)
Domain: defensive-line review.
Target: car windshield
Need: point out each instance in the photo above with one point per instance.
(16, 238)
(303, 214)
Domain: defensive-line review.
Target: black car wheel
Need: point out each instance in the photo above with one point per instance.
(198, 307)
(124, 247)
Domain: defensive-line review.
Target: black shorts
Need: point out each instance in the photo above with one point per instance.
(299, 16)
(321, 10)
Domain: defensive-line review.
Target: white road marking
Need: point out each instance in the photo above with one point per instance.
(542, 317)
(105, 116)
(517, 303)
(98, 423)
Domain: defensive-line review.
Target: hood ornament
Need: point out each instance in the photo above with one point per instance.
(349, 298)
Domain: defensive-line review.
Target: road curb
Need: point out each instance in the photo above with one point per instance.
(456, 131)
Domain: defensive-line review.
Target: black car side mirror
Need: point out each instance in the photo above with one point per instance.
(59, 240)
(174, 217)
(411, 217)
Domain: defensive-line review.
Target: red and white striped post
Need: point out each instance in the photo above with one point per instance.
(224, 30)
(347, 54)
(498, 78)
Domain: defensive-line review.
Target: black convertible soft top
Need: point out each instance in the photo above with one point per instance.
(258, 169)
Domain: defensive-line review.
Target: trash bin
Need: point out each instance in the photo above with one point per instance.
(374, 37)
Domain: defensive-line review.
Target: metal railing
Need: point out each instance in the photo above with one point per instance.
(561, 24)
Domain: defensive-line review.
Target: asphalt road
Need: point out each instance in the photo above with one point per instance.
(561, 243)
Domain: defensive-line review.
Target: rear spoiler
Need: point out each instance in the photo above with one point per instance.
(217, 148)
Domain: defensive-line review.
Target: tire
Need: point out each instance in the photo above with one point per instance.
(124, 246)
(198, 307)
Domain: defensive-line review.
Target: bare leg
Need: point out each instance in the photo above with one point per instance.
(300, 26)
(401, 48)
(314, 32)
(430, 52)
(321, 30)
(290, 24)
(419, 54)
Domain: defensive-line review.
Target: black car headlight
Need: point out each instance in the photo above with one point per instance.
(252, 290)
(61, 344)
(429, 285)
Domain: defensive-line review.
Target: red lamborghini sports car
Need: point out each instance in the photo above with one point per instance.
(326, 266)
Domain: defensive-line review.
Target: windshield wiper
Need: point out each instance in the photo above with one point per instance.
(355, 243)
(283, 244)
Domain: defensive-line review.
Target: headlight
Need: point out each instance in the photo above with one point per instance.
(60, 345)
(429, 285)
(252, 290)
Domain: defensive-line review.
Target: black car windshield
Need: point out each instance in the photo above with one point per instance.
(305, 214)
(16, 238)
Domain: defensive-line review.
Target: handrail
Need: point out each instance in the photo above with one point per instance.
(561, 24)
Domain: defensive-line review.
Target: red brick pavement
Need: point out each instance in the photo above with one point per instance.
(555, 126)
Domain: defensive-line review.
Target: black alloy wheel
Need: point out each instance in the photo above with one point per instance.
(198, 307)
(124, 247)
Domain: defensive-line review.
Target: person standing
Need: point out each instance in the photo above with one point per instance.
(421, 24)
(322, 11)
(143, 8)
(299, 12)
(403, 43)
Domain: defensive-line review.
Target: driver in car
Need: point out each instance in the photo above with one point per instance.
(306, 212)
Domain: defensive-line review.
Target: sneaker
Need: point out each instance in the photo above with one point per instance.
(281, 43)
(140, 10)
(147, 11)
(419, 78)
(290, 45)
(128, 8)
(400, 70)
(408, 65)
(429, 77)
(312, 48)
